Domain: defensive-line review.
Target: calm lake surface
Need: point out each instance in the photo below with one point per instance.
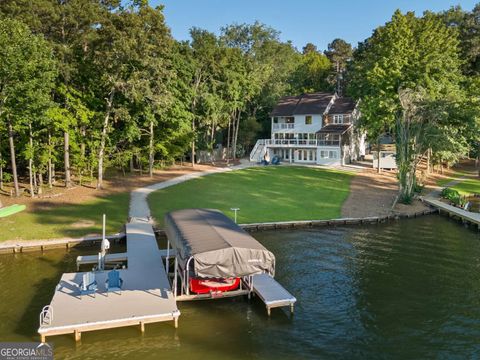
(408, 289)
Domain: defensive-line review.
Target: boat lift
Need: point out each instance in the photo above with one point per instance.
(209, 245)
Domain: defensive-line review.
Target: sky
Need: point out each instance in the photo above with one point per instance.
(300, 21)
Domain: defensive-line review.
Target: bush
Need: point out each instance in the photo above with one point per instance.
(453, 196)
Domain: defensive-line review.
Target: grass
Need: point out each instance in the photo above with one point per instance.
(455, 175)
(262, 193)
(468, 187)
(68, 220)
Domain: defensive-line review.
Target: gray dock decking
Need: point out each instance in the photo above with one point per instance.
(272, 293)
(146, 296)
(471, 217)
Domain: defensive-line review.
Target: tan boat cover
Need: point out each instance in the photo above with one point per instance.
(219, 247)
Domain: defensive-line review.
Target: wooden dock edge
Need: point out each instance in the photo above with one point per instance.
(78, 329)
(58, 244)
(116, 238)
(253, 227)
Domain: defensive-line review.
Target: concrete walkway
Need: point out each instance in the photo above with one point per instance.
(139, 210)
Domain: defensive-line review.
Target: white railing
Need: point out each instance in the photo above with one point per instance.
(282, 126)
(301, 142)
(46, 315)
(258, 150)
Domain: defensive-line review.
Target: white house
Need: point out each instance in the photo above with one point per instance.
(316, 128)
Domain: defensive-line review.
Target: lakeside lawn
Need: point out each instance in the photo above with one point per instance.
(74, 220)
(468, 187)
(262, 193)
(454, 176)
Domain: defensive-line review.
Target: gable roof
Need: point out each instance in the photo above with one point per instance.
(343, 105)
(305, 104)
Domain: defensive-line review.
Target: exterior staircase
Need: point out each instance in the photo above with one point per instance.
(258, 151)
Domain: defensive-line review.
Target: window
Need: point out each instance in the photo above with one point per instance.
(308, 120)
(338, 119)
(275, 120)
(328, 154)
(289, 119)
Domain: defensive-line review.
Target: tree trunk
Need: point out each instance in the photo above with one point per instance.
(101, 152)
(478, 159)
(66, 151)
(228, 140)
(193, 143)
(1, 171)
(40, 184)
(12, 158)
(30, 161)
(235, 134)
(378, 156)
(82, 155)
(429, 161)
(151, 153)
(50, 172)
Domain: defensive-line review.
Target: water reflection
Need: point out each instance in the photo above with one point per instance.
(409, 289)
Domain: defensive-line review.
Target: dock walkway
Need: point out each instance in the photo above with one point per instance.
(468, 216)
(146, 296)
(272, 293)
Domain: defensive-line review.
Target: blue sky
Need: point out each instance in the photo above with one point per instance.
(300, 21)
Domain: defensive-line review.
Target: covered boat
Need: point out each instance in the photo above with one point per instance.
(209, 245)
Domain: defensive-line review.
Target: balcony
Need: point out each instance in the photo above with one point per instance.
(301, 142)
(283, 126)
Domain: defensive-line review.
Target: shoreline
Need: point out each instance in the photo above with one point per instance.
(43, 245)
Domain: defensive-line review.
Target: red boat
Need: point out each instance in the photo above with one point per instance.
(205, 286)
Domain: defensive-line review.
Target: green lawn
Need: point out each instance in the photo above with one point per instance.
(456, 174)
(468, 187)
(67, 221)
(262, 193)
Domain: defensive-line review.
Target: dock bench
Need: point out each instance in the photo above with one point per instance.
(272, 293)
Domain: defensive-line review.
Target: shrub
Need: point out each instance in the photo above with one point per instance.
(453, 196)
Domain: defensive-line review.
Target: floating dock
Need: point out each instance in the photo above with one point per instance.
(272, 293)
(146, 296)
(465, 216)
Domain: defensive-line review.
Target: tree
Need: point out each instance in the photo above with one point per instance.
(312, 73)
(26, 78)
(406, 54)
(309, 47)
(339, 52)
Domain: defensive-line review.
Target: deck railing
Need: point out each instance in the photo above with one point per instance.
(301, 142)
(282, 126)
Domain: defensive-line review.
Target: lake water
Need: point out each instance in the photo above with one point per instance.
(408, 289)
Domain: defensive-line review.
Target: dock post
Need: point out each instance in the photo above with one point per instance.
(268, 311)
(176, 322)
(291, 309)
(142, 327)
(78, 335)
(42, 338)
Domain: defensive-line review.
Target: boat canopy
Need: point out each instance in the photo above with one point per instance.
(218, 247)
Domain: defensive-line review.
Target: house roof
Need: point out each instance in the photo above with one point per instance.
(305, 104)
(334, 128)
(343, 105)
